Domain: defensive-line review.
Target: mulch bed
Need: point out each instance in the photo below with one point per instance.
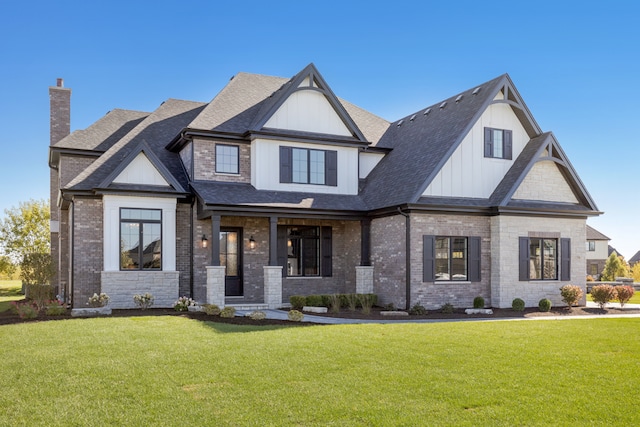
(9, 317)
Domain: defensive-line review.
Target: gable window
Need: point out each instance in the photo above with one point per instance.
(308, 166)
(498, 143)
(140, 239)
(451, 258)
(591, 245)
(305, 251)
(544, 258)
(227, 159)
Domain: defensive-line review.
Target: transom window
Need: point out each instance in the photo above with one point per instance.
(543, 259)
(497, 143)
(303, 251)
(451, 258)
(140, 239)
(308, 166)
(227, 159)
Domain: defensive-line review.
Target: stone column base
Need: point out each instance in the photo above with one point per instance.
(273, 286)
(215, 285)
(364, 279)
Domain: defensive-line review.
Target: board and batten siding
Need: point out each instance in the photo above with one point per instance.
(265, 173)
(140, 171)
(467, 173)
(308, 111)
(368, 161)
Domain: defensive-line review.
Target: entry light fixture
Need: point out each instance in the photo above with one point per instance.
(205, 242)
(252, 243)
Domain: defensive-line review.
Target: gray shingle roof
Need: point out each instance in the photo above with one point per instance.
(593, 234)
(156, 130)
(634, 259)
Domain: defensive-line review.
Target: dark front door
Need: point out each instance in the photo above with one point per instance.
(231, 258)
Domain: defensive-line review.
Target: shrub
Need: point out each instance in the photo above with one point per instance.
(257, 315)
(98, 300)
(39, 294)
(211, 309)
(295, 316)
(571, 294)
(389, 307)
(590, 278)
(624, 294)
(447, 308)
(517, 304)
(183, 304)
(228, 312)
(417, 310)
(143, 301)
(55, 308)
(26, 310)
(544, 305)
(478, 302)
(352, 301)
(314, 301)
(602, 294)
(344, 300)
(297, 301)
(36, 268)
(326, 300)
(366, 302)
(334, 303)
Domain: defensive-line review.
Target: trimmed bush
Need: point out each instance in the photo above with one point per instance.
(389, 307)
(228, 312)
(26, 310)
(603, 294)
(326, 300)
(295, 316)
(55, 308)
(143, 301)
(40, 294)
(257, 315)
(544, 305)
(478, 302)
(211, 309)
(297, 301)
(518, 304)
(314, 301)
(571, 294)
(418, 310)
(624, 294)
(447, 308)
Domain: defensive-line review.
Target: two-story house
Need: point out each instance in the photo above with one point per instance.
(278, 187)
(597, 252)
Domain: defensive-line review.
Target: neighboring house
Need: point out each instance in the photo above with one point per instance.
(611, 249)
(277, 187)
(634, 259)
(597, 252)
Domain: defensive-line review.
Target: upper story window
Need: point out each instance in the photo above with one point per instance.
(140, 239)
(498, 143)
(591, 245)
(308, 166)
(227, 159)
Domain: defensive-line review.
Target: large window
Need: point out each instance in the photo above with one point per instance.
(451, 258)
(140, 239)
(227, 159)
(543, 259)
(308, 166)
(497, 143)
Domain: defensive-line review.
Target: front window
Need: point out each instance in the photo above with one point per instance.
(140, 239)
(308, 166)
(497, 143)
(543, 259)
(303, 251)
(591, 245)
(451, 258)
(227, 159)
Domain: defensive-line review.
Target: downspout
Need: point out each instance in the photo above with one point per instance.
(407, 256)
(72, 248)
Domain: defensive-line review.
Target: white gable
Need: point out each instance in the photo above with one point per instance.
(467, 173)
(141, 171)
(308, 111)
(545, 182)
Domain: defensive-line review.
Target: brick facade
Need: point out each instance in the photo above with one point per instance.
(388, 252)
(87, 249)
(204, 158)
(183, 247)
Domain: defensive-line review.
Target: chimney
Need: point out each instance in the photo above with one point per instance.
(60, 111)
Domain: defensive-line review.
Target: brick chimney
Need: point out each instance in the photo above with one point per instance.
(60, 112)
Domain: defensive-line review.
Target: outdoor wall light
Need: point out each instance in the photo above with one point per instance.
(204, 241)
(252, 243)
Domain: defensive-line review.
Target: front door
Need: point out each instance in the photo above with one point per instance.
(231, 258)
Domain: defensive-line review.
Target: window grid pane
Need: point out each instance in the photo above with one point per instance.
(227, 159)
(316, 167)
(299, 165)
(498, 143)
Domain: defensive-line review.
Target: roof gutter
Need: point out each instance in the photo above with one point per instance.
(407, 240)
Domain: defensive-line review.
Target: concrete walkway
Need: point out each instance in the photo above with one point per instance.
(325, 320)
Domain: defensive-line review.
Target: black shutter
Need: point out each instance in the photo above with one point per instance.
(488, 144)
(285, 164)
(508, 145)
(523, 258)
(327, 252)
(474, 258)
(283, 255)
(331, 168)
(565, 259)
(428, 258)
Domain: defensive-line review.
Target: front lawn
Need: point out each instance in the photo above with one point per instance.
(10, 290)
(178, 371)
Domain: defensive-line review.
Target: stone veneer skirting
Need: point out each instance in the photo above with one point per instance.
(121, 286)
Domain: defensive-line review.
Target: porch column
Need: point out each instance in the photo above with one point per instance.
(273, 241)
(273, 286)
(215, 284)
(215, 240)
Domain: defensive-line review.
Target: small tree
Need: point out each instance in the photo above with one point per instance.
(615, 266)
(635, 272)
(624, 294)
(571, 294)
(603, 294)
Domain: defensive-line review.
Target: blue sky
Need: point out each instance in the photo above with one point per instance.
(576, 65)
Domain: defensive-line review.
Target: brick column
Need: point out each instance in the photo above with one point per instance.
(364, 279)
(215, 285)
(273, 286)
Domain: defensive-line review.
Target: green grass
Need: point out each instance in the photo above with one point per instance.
(9, 291)
(176, 371)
